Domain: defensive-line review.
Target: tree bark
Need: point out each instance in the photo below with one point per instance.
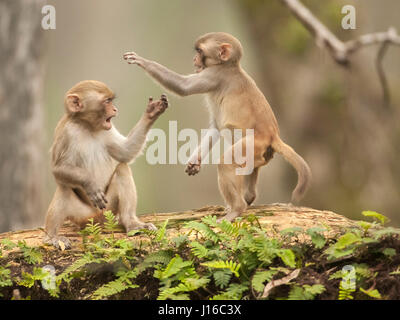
(272, 218)
(21, 126)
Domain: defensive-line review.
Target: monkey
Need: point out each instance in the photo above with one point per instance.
(234, 102)
(90, 161)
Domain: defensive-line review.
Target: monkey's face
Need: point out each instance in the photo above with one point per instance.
(109, 112)
(210, 53)
(199, 60)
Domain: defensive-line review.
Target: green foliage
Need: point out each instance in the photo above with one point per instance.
(31, 255)
(260, 277)
(233, 292)
(123, 282)
(377, 216)
(230, 265)
(345, 293)
(317, 237)
(222, 277)
(305, 292)
(216, 260)
(5, 277)
(373, 293)
(111, 223)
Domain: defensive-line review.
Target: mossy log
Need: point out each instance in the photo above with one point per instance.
(274, 217)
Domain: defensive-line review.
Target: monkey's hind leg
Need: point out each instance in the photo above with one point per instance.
(122, 192)
(231, 188)
(250, 184)
(64, 205)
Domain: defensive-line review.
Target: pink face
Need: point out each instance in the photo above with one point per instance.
(110, 111)
(198, 60)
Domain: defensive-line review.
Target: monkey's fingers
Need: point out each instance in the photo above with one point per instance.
(129, 54)
(99, 200)
(192, 169)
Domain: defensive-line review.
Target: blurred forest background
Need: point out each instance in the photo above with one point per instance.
(333, 116)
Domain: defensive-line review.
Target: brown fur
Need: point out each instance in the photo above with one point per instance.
(90, 161)
(234, 102)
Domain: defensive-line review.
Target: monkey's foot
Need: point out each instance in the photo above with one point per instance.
(141, 225)
(279, 204)
(229, 217)
(61, 243)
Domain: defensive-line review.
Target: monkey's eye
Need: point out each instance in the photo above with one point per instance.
(109, 100)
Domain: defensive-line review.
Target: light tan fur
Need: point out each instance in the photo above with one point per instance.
(90, 161)
(234, 102)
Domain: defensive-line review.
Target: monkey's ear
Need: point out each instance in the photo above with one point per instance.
(225, 51)
(74, 103)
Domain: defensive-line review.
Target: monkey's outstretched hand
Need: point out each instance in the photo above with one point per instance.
(156, 108)
(134, 58)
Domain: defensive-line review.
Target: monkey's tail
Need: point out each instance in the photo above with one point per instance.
(302, 168)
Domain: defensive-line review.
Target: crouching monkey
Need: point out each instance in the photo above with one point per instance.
(90, 161)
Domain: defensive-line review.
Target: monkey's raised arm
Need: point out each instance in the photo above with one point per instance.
(126, 149)
(182, 85)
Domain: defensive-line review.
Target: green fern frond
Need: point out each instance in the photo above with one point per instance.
(210, 220)
(345, 293)
(219, 264)
(305, 292)
(198, 249)
(111, 288)
(229, 228)
(204, 229)
(260, 277)
(222, 277)
(233, 292)
(111, 223)
(76, 266)
(174, 266)
(161, 257)
(161, 232)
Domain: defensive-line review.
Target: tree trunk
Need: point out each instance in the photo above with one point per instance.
(21, 126)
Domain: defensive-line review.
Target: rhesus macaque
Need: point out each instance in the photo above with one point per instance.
(234, 102)
(90, 160)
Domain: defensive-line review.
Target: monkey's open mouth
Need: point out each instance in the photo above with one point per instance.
(107, 123)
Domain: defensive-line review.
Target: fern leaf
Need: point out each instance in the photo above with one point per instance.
(204, 229)
(198, 249)
(222, 277)
(111, 288)
(218, 264)
(161, 232)
(260, 277)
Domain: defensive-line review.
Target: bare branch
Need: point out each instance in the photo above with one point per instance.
(341, 51)
(323, 36)
(381, 73)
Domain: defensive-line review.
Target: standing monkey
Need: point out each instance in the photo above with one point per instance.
(90, 160)
(234, 102)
